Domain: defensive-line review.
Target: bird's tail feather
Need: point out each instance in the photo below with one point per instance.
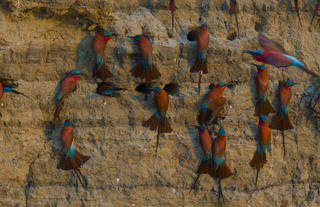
(198, 67)
(281, 123)
(222, 172)
(140, 72)
(154, 123)
(264, 108)
(102, 72)
(258, 161)
(75, 162)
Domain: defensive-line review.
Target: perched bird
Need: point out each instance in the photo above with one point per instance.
(219, 170)
(296, 5)
(234, 10)
(212, 104)
(315, 11)
(71, 159)
(108, 89)
(200, 66)
(8, 85)
(275, 56)
(281, 120)
(145, 69)
(101, 70)
(67, 86)
(263, 106)
(263, 141)
(220, 167)
(173, 9)
(206, 143)
(159, 121)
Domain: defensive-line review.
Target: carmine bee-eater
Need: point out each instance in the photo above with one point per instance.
(315, 11)
(296, 5)
(212, 105)
(206, 143)
(263, 141)
(234, 10)
(145, 69)
(67, 86)
(101, 70)
(200, 66)
(219, 170)
(8, 85)
(159, 121)
(173, 9)
(71, 159)
(275, 56)
(108, 89)
(263, 106)
(281, 120)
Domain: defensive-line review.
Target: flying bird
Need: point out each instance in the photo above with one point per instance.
(158, 121)
(67, 86)
(200, 66)
(281, 120)
(273, 55)
(212, 104)
(263, 106)
(71, 159)
(101, 70)
(263, 141)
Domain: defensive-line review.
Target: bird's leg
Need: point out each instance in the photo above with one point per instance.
(194, 183)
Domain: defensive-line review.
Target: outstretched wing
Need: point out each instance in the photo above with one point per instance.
(268, 45)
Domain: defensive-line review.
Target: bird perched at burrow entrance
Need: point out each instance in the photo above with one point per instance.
(173, 9)
(101, 70)
(71, 159)
(219, 170)
(315, 11)
(205, 143)
(212, 104)
(234, 10)
(263, 106)
(275, 56)
(281, 120)
(263, 141)
(200, 66)
(158, 120)
(296, 6)
(109, 89)
(8, 85)
(145, 68)
(67, 86)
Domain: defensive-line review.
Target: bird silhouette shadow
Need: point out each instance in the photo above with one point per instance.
(85, 55)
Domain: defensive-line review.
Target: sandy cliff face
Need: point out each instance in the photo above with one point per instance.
(42, 40)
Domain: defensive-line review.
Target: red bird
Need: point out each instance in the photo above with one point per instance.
(212, 104)
(234, 10)
(145, 69)
(275, 56)
(71, 159)
(263, 145)
(101, 70)
(200, 66)
(68, 85)
(316, 9)
(263, 106)
(282, 121)
(8, 85)
(219, 170)
(206, 143)
(159, 121)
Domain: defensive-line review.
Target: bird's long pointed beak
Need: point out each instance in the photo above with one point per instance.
(115, 34)
(83, 74)
(247, 51)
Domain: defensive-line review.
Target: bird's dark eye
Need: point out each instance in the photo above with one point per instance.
(200, 19)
